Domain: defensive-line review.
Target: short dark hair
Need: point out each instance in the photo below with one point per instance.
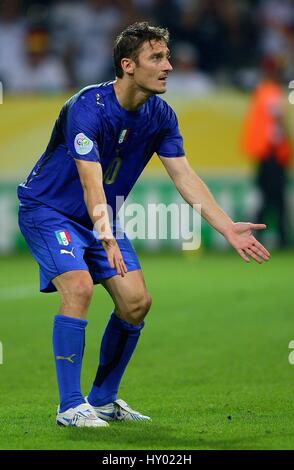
(129, 42)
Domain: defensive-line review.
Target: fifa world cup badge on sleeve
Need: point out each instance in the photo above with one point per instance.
(83, 144)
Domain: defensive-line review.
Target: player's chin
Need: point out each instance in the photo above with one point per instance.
(161, 88)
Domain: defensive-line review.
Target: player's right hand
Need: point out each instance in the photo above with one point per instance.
(114, 255)
(240, 236)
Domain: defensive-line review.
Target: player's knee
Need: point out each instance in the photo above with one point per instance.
(147, 304)
(80, 291)
(139, 310)
(84, 290)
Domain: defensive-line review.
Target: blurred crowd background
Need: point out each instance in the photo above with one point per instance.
(58, 44)
(239, 138)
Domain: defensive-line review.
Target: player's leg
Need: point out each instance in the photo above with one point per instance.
(75, 290)
(264, 190)
(282, 217)
(130, 296)
(132, 302)
(57, 244)
(277, 182)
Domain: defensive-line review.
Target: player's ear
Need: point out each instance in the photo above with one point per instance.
(128, 66)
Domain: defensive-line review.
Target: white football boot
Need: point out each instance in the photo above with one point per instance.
(82, 416)
(118, 410)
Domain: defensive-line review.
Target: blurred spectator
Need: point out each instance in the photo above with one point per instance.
(276, 20)
(40, 71)
(242, 33)
(167, 13)
(83, 34)
(12, 34)
(204, 26)
(144, 6)
(230, 36)
(265, 141)
(186, 79)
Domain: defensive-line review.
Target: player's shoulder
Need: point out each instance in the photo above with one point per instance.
(91, 97)
(161, 110)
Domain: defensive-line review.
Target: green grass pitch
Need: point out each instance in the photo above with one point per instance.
(211, 367)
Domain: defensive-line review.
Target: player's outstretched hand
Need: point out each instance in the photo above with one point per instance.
(114, 255)
(240, 237)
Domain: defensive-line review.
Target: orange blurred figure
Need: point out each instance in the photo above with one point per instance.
(266, 142)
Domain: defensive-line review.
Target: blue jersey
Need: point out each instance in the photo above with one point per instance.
(92, 126)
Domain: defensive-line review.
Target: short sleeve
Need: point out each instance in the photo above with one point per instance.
(171, 143)
(81, 132)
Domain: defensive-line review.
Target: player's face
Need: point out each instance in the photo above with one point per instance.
(152, 67)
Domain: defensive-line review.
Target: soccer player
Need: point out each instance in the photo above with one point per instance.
(101, 142)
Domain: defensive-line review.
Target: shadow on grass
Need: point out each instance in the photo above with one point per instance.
(134, 436)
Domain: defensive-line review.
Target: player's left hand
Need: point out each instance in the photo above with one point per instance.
(239, 235)
(114, 255)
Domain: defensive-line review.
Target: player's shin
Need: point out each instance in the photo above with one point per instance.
(118, 344)
(68, 347)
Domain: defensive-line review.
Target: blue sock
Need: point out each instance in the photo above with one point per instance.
(68, 347)
(118, 343)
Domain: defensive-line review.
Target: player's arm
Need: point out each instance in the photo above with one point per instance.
(194, 191)
(91, 178)
(81, 130)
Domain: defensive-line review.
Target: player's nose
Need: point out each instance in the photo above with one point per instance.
(169, 67)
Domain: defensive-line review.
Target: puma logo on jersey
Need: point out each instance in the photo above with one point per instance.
(66, 252)
(68, 358)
